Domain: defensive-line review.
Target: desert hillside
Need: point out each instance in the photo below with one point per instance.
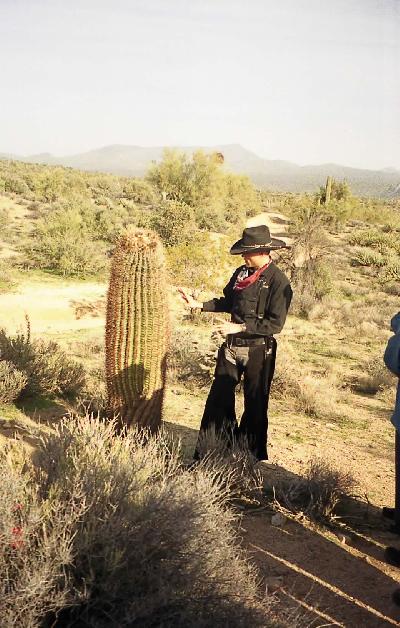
(331, 399)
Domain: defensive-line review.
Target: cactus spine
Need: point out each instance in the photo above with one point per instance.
(137, 330)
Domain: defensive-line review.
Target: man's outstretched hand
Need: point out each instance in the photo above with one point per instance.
(189, 300)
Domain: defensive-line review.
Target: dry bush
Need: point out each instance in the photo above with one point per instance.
(12, 382)
(92, 399)
(7, 279)
(36, 539)
(374, 378)
(113, 531)
(46, 367)
(301, 390)
(317, 494)
(190, 360)
(231, 460)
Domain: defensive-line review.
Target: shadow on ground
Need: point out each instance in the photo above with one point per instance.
(337, 575)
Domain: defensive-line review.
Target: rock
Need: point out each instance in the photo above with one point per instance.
(331, 426)
(278, 520)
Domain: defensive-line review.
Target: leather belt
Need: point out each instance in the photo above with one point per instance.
(234, 341)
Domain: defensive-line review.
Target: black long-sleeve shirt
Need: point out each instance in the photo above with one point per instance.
(242, 304)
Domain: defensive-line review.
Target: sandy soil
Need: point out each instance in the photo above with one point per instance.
(54, 307)
(335, 583)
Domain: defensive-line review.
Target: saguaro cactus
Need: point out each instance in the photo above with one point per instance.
(137, 330)
(328, 189)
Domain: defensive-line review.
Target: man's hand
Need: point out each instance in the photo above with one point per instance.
(189, 300)
(225, 327)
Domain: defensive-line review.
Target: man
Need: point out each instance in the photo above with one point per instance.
(257, 297)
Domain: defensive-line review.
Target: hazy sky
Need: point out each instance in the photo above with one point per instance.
(308, 81)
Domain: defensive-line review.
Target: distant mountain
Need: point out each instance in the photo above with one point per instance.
(273, 174)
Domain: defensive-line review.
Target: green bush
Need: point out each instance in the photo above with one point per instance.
(46, 368)
(204, 263)
(63, 243)
(112, 531)
(174, 223)
(12, 382)
(371, 238)
(368, 257)
(199, 181)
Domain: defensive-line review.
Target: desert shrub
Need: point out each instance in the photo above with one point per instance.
(203, 263)
(318, 494)
(232, 462)
(62, 243)
(46, 368)
(392, 271)
(112, 531)
(92, 398)
(199, 181)
(7, 278)
(310, 274)
(5, 223)
(139, 191)
(191, 361)
(174, 222)
(300, 389)
(12, 382)
(374, 377)
(311, 283)
(368, 257)
(14, 183)
(371, 238)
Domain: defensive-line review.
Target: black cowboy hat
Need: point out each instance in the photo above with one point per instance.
(256, 239)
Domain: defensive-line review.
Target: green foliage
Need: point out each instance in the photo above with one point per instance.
(137, 328)
(12, 382)
(200, 182)
(174, 222)
(378, 249)
(5, 223)
(310, 273)
(334, 191)
(15, 184)
(372, 238)
(110, 530)
(369, 257)
(63, 243)
(204, 263)
(47, 370)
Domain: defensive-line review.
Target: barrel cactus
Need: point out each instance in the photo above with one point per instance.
(137, 330)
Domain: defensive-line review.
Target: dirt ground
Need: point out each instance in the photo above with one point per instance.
(337, 576)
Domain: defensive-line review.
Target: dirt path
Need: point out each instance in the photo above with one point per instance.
(53, 307)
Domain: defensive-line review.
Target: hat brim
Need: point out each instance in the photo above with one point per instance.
(238, 248)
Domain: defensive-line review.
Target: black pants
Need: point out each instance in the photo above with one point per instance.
(257, 365)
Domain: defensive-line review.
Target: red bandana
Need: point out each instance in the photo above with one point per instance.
(244, 283)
